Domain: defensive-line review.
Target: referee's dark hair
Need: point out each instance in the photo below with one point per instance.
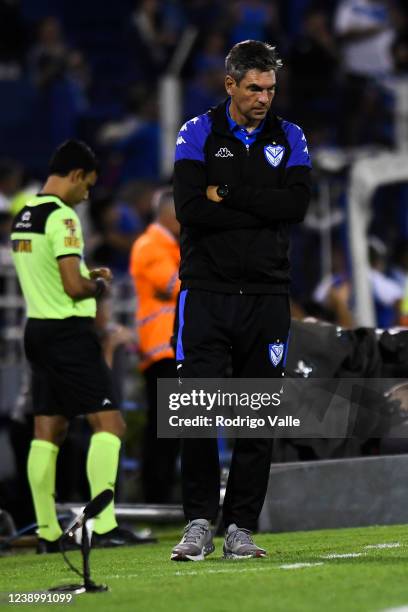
(251, 55)
(73, 155)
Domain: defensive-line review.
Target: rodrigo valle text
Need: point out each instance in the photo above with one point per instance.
(238, 421)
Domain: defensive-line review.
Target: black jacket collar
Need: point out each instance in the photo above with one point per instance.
(221, 125)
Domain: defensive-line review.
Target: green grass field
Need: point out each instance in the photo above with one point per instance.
(143, 579)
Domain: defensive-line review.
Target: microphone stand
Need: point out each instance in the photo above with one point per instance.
(88, 586)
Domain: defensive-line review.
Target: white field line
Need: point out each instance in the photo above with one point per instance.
(342, 555)
(385, 545)
(360, 554)
(400, 609)
(114, 576)
(232, 570)
(289, 566)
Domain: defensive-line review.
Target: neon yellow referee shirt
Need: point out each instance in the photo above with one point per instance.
(43, 231)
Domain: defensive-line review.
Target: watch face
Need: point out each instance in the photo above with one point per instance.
(222, 191)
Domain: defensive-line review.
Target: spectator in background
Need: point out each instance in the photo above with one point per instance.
(204, 13)
(212, 54)
(154, 263)
(155, 30)
(399, 272)
(206, 90)
(404, 309)
(137, 151)
(10, 182)
(54, 70)
(399, 269)
(366, 32)
(254, 20)
(387, 292)
(394, 87)
(292, 13)
(313, 60)
(51, 58)
(107, 245)
(13, 40)
(399, 51)
(48, 52)
(112, 132)
(11, 175)
(332, 296)
(205, 86)
(118, 222)
(79, 72)
(137, 197)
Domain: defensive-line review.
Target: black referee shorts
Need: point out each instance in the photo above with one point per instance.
(213, 328)
(69, 374)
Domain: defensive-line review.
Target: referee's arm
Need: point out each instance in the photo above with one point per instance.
(75, 285)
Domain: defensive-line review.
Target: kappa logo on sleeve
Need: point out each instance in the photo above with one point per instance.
(274, 154)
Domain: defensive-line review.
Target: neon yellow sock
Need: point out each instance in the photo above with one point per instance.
(41, 468)
(102, 467)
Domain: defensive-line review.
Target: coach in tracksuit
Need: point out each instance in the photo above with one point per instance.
(241, 178)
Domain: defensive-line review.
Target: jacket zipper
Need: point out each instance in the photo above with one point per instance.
(241, 291)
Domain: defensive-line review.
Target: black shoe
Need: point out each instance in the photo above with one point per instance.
(119, 537)
(54, 546)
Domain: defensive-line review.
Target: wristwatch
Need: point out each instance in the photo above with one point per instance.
(222, 191)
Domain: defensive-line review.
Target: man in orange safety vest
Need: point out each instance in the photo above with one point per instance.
(154, 266)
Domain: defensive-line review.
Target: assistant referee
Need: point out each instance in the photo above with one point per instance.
(69, 374)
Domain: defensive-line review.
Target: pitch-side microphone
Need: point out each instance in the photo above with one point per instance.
(94, 507)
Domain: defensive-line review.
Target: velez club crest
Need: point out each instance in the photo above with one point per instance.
(276, 351)
(274, 154)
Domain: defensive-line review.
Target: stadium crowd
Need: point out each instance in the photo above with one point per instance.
(94, 75)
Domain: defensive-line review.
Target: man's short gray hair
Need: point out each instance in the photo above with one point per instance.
(251, 55)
